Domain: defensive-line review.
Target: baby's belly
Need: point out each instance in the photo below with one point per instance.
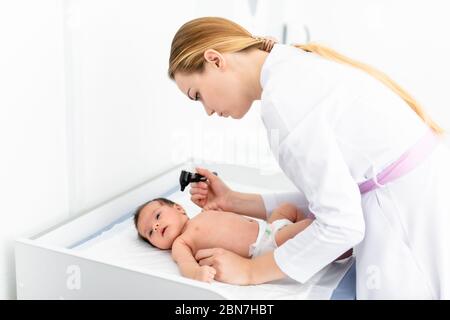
(235, 237)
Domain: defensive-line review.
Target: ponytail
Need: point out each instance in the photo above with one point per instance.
(337, 57)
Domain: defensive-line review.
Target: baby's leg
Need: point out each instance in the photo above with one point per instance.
(286, 211)
(291, 230)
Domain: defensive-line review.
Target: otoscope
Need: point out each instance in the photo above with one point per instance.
(187, 177)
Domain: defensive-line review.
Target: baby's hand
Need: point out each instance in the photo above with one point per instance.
(205, 274)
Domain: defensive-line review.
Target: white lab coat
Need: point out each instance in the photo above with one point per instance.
(337, 126)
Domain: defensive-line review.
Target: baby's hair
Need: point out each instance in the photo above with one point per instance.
(137, 213)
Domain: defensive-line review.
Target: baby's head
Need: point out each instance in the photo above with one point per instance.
(160, 221)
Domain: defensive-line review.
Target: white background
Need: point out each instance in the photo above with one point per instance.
(87, 110)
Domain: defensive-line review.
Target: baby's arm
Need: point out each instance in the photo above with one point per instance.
(182, 254)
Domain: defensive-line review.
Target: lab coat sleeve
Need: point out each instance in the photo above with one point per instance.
(273, 200)
(311, 157)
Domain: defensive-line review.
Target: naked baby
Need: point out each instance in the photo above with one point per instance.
(165, 225)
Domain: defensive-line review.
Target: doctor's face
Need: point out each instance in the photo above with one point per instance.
(219, 86)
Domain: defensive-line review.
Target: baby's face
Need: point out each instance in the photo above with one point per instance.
(161, 224)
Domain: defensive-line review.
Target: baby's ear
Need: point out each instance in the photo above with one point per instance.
(179, 208)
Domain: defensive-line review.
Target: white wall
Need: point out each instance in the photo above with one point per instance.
(119, 52)
(130, 120)
(33, 179)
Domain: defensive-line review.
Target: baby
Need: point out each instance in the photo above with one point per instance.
(165, 225)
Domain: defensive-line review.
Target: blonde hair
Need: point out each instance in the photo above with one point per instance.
(225, 36)
(196, 36)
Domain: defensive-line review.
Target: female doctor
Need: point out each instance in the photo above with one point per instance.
(366, 159)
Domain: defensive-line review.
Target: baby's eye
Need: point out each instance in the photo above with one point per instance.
(150, 233)
(197, 97)
(157, 216)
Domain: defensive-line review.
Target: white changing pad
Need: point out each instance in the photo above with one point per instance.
(121, 246)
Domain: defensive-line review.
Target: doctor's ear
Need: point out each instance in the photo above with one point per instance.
(214, 58)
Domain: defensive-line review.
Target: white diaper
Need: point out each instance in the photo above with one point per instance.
(266, 237)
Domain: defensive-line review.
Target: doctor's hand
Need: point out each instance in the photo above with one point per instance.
(230, 267)
(211, 195)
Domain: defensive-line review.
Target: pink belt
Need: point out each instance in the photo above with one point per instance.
(407, 162)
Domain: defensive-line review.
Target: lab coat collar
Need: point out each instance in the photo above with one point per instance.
(267, 64)
(278, 54)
